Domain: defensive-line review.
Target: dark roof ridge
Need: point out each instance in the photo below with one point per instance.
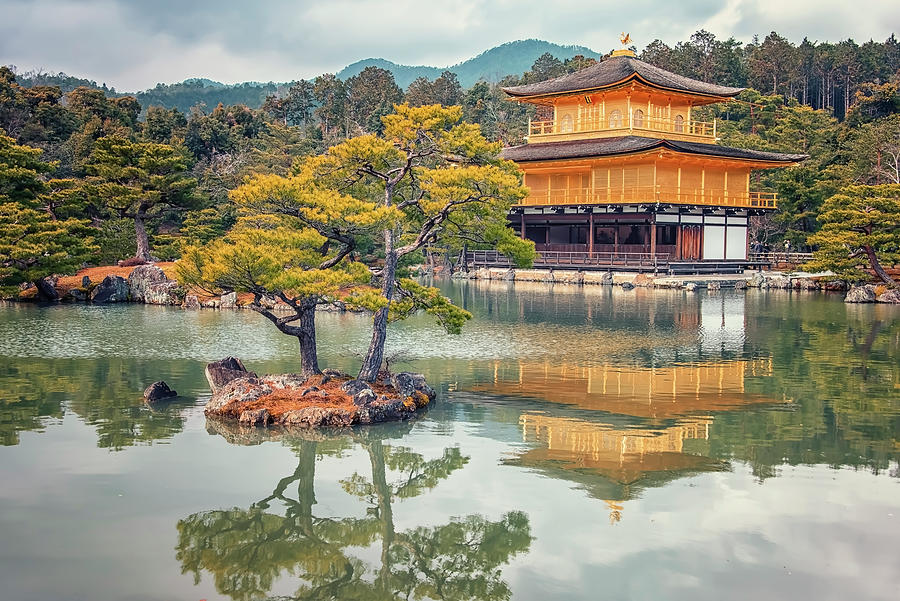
(631, 144)
(618, 70)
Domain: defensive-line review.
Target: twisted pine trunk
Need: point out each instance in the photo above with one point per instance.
(371, 364)
(301, 325)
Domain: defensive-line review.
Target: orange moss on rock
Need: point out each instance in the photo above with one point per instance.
(327, 396)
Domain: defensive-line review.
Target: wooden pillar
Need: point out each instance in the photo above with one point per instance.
(678, 239)
(616, 238)
(522, 232)
(591, 232)
(653, 237)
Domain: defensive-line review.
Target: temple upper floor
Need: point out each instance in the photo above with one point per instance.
(620, 96)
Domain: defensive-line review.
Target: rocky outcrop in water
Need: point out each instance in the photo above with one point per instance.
(327, 400)
(158, 391)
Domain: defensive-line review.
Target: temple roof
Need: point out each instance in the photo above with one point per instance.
(579, 149)
(616, 71)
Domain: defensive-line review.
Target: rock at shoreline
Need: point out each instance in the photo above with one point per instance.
(191, 302)
(740, 285)
(627, 286)
(113, 289)
(143, 281)
(713, 285)
(891, 296)
(221, 372)
(158, 391)
(861, 294)
(228, 301)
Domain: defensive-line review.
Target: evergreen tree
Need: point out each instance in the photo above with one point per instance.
(860, 229)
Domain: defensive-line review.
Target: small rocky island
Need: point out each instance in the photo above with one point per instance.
(331, 399)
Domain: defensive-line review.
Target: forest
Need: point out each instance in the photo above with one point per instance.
(79, 162)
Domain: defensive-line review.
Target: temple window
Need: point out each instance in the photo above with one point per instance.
(679, 123)
(638, 118)
(615, 119)
(567, 124)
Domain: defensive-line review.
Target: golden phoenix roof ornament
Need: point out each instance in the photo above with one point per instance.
(625, 38)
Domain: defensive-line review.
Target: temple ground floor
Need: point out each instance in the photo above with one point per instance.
(649, 237)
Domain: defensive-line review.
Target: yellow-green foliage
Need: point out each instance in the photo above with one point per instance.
(858, 219)
(261, 260)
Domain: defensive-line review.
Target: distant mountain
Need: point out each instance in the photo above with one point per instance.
(512, 58)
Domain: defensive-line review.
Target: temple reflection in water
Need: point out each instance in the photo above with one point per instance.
(622, 429)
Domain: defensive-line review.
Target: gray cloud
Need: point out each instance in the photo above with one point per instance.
(133, 44)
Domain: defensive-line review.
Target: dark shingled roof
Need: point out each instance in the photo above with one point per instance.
(617, 70)
(579, 149)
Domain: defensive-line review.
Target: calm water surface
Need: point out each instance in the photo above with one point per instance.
(586, 444)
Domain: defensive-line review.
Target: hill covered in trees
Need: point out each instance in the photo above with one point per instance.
(491, 65)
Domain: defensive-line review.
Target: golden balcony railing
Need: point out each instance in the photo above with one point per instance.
(610, 125)
(651, 194)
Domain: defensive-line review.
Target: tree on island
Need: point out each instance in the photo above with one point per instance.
(34, 243)
(138, 181)
(860, 228)
(445, 181)
(429, 180)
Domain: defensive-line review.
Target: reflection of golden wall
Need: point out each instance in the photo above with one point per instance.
(646, 392)
(601, 442)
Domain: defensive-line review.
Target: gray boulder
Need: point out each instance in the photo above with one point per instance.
(891, 296)
(714, 285)
(113, 289)
(606, 279)
(861, 294)
(364, 397)
(228, 301)
(142, 278)
(354, 387)
(158, 391)
(219, 373)
(691, 287)
(406, 383)
(740, 285)
(627, 286)
(191, 302)
(757, 281)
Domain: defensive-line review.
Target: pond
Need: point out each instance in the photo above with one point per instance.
(586, 443)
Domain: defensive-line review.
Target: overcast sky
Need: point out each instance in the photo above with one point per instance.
(133, 44)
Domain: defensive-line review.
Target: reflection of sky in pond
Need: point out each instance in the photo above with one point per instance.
(745, 445)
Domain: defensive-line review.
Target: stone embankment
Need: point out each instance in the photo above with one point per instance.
(761, 280)
(332, 399)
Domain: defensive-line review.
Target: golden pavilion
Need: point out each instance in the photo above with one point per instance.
(618, 167)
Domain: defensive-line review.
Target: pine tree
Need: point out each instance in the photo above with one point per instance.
(33, 244)
(860, 229)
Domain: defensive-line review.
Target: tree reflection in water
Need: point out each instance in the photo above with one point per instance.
(247, 550)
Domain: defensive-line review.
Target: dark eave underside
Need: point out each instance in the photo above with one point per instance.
(618, 70)
(580, 149)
